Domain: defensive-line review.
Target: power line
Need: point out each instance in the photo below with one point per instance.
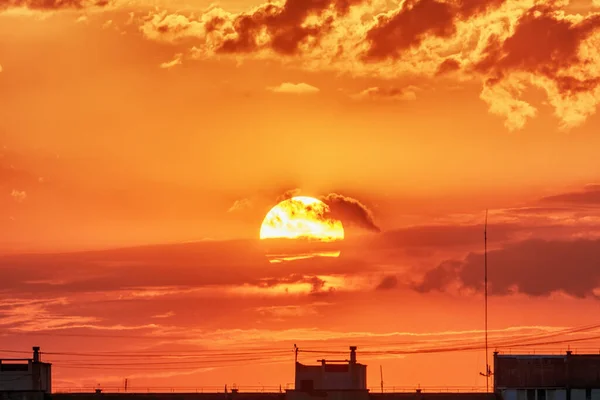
(188, 360)
(183, 354)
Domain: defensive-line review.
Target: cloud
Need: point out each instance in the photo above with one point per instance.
(589, 196)
(501, 43)
(407, 27)
(165, 315)
(350, 211)
(388, 282)
(286, 311)
(19, 195)
(317, 284)
(173, 63)
(295, 88)
(532, 267)
(288, 194)
(395, 94)
(447, 66)
(53, 4)
(550, 51)
(1, 69)
(172, 27)
(240, 205)
(283, 28)
(37, 314)
(503, 99)
(443, 236)
(190, 266)
(414, 21)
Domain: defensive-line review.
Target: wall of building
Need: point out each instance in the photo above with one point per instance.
(167, 396)
(434, 396)
(550, 394)
(289, 395)
(543, 371)
(25, 377)
(331, 377)
(15, 377)
(20, 395)
(328, 395)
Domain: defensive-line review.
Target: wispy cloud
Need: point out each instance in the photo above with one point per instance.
(177, 60)
(19, 195)
(165, 315)
(294, 88)
(240, 205)
(388, 94)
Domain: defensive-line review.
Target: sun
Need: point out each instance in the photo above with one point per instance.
(301, 217)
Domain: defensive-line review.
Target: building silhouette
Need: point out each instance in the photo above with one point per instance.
(332, 379)
(516, 377)
(25, 377)
(547, 377)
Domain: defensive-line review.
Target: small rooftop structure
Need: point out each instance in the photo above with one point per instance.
(26, 374)
(344, 379)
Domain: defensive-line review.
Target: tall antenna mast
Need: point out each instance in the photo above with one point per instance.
(488, 371)
(295, 354)
(381, 374)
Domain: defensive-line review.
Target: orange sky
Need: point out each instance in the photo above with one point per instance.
(178, 125)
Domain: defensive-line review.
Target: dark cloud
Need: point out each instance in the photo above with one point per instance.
(350, 211)
(317, 284)
(188, 265)
(347, 209)
(444, 236)
(391, 93)
(288, 194)
(589, 196)
(388, 282)
(448, 65)
(53, 4)
(408, 27)
(416, 20)
(440, 277)
(532, 267)
(469, 8)
(525, 211)
(284, 25)
(545, 44)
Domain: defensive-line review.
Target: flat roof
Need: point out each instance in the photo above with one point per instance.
(530, 356)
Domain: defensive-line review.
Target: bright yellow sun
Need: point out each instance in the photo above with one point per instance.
(301, 217)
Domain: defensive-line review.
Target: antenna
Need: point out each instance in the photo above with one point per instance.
(381, 374)
(295, 354)
(488, 371)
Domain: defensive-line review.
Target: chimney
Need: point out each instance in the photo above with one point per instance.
(36, 354)
(352, 354)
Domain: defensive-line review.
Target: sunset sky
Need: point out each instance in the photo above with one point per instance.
(142, 143)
